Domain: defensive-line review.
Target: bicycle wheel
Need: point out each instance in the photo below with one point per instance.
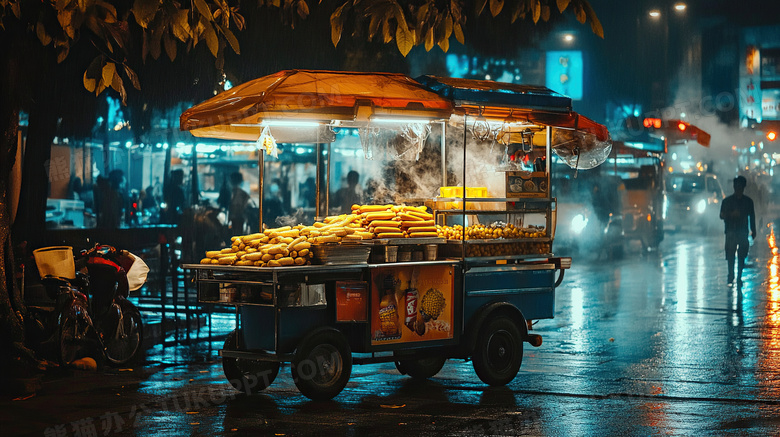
(124, 345)
(75, 325)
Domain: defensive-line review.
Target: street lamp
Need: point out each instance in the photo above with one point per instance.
(680, 7)
(654, 13)
(568, 37)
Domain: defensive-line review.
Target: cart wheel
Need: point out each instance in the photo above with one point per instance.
(322, 365)
(247, 376)
(421, 368)
(499, 351)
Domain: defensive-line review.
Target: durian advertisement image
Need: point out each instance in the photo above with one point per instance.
(411, 304)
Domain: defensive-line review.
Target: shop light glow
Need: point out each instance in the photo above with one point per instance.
(280, 123)
(391, 120)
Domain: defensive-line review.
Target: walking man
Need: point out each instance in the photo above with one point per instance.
(736, 211)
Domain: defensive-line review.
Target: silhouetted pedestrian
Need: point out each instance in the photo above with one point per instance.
(238, 203)
(738, 215)
(350, 195)
(174, 197)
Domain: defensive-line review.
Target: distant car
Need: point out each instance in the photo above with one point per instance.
(580, 229)
(693, 199)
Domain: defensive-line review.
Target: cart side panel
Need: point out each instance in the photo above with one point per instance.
(257, 323)
(532, 291)
(295, 323)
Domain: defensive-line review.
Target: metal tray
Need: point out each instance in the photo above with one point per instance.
(406, 241)
(340, 254)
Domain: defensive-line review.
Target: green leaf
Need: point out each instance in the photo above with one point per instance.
(144, 11)
(181, 25)
(444, 44)
(422, 13)
(43, 37)
(429, 40)
(101, 87)
(595, 24)
(537, 9)
(110, 11)
(480, 6)
(108, 72)
(155, 43)
(302, 8)
(231, 39)
(62, 53)
(373, 26)
(563, 4)
(455, 10)
(89, 83)
(496, 6)
(66, 22)
(133, 77)
(458, 31)
(204, 10)
(118, 85)
(399, 16)
(336, 25)
(212, 41)
(170, 46)
(581, 17)
(448, 27)
(404, 38)
(387, 35)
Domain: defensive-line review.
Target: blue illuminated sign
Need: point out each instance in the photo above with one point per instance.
(564, 73)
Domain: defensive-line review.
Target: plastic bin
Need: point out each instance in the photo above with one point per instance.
(458, 192)
(55, 261)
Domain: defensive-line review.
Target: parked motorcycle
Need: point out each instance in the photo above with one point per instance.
(112, 275)
(91, 310)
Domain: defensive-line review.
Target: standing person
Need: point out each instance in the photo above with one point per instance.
(737, 213)
(350, 195)
(238, 203)
(174, 197)
(273, 204)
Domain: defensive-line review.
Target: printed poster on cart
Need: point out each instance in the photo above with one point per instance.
(411, 304)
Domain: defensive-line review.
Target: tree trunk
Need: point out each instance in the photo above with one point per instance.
(30, 223)
(13, 354)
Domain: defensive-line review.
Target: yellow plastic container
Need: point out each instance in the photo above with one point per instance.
(458, 192)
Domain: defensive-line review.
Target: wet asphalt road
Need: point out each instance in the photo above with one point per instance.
(651, 344)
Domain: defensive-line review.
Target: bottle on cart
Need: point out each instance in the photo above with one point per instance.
(411, 295)
(388, 308)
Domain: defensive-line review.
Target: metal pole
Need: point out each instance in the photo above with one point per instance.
(319, 176)
(260, 169)
(463, 193)
(443, 154)
(548, 166)
(327, 183)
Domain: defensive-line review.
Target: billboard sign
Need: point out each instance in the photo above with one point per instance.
(564, 73)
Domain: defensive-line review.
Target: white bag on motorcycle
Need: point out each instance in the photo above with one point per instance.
(136, 275)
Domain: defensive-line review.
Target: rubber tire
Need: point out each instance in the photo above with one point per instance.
(499, 351)
(73, 335)
(421, 368)
(133, 340)
(247, 376)
(322, 365)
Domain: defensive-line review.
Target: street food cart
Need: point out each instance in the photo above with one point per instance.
(461, 273)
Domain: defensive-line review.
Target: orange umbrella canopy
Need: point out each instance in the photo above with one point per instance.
(311, 95)
(498, 100)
